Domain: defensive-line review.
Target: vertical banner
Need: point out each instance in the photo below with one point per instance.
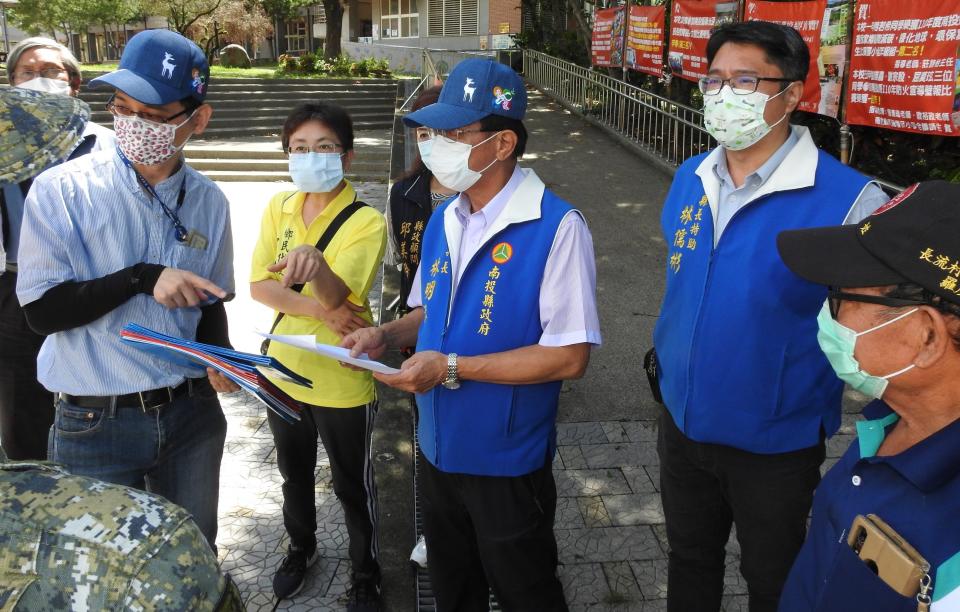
(608, 33)
(904, 66)
(805, 17)
(691, 24)
(645, 39)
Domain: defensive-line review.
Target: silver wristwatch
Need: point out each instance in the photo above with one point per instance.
(452, 381)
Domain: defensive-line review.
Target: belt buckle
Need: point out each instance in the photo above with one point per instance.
(146, 408)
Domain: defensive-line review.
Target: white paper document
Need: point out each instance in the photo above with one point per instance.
(309, 343)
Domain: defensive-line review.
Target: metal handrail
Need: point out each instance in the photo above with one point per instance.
(667, 130)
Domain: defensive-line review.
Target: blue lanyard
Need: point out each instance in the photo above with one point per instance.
(179, 230)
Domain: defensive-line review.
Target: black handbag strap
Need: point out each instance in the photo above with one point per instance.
(325, 239)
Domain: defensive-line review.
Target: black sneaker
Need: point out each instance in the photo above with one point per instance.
(363, 594)
(288, 580)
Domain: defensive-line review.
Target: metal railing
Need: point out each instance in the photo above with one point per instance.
(666, 129)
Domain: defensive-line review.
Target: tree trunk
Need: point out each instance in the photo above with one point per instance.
(334, 11)
(585, 32)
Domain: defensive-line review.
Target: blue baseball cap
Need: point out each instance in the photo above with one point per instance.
(475, 89)
(159, 67)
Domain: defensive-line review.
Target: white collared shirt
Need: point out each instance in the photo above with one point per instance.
(568, 305)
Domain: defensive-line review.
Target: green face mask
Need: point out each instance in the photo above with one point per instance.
(838, 342)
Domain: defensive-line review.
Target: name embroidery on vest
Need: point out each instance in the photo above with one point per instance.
(686, 235)
(410, 236)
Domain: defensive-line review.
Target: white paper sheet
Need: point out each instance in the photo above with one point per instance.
(309, 343)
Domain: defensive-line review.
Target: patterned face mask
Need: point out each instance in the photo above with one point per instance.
(735, 120)
(146, 142)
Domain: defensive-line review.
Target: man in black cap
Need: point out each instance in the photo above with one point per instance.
(891, 329)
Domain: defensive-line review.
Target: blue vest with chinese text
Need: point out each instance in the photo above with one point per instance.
(736, 338)
(484, 428)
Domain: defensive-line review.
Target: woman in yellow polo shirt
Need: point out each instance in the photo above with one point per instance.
(341, 406)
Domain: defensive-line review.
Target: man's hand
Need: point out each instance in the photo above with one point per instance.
(422, 372)
(343, 319)
(301, 264)
(369, 340)
(220, 383)
(180, 289)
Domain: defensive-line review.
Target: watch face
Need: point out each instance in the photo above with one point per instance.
(451, 384)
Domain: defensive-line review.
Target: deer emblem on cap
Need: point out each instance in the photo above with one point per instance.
(468, 89)
(168, 65)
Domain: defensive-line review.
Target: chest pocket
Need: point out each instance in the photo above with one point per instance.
(196, 260)
(851, 585)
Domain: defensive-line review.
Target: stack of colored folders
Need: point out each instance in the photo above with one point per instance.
(248, 370)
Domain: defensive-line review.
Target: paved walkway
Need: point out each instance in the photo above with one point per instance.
(609, 523)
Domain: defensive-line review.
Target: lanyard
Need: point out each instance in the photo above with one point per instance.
(179, 230)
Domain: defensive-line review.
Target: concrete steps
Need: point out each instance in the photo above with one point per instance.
(262, 160)
(254, 108)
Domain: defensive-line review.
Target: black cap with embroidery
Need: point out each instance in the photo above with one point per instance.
(915, 237)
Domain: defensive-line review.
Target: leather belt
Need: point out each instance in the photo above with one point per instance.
(145, 400)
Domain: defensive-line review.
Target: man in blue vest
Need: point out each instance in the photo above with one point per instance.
(749, 396)
(503, 309)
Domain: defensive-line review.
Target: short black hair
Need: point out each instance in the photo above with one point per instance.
(499, 123)
(782, 44)
(191, 104)
(335, 117)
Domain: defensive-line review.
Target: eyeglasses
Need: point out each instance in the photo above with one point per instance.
(324, 147)
(741, 85)
(120, 110)
(47, 73)
(425, 133)
(835, 296)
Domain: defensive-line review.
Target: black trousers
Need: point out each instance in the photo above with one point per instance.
(707, 487)
(491, 532)
(26, 408)
(346, 434)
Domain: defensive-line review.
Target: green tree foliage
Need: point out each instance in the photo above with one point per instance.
(182, 14)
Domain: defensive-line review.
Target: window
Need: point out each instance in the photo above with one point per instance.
(399, 19)
(296, 35)
(453, 17)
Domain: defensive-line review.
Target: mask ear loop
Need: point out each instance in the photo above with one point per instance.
(495, 160)
(893, 320)
(782, 91)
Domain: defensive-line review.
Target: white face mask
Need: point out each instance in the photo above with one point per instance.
(449, 161)
(45, 85)
(316, 172)
(737, 121)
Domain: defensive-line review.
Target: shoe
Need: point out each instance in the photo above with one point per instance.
(289, 578)
(363, 594)
(419, 554)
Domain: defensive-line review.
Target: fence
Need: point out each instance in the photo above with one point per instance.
(667, 131)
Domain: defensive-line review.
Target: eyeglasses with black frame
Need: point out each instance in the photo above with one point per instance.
(119, 110)
(323, 147)
(742, 85)
(835, 296)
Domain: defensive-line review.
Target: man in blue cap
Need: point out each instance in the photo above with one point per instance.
(134, 235)
(503, 310)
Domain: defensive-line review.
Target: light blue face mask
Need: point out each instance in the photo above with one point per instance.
(838, 341)
(316, 172)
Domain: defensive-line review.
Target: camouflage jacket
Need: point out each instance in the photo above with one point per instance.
(73, 543)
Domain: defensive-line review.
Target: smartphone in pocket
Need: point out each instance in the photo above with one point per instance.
(885, 552)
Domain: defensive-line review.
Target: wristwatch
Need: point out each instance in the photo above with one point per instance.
(452, 381)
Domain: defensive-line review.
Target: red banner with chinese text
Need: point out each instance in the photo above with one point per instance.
(807, 18)
(645, 39)
(606, 46)
(691, 23)
(905, 66)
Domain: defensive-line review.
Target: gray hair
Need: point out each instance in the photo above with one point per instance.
(39, 42)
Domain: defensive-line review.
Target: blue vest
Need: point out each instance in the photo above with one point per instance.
(736, 337)
(484, 428)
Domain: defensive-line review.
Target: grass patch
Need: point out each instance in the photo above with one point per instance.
(257, 72)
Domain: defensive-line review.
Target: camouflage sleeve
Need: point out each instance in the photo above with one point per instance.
(182, 575)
